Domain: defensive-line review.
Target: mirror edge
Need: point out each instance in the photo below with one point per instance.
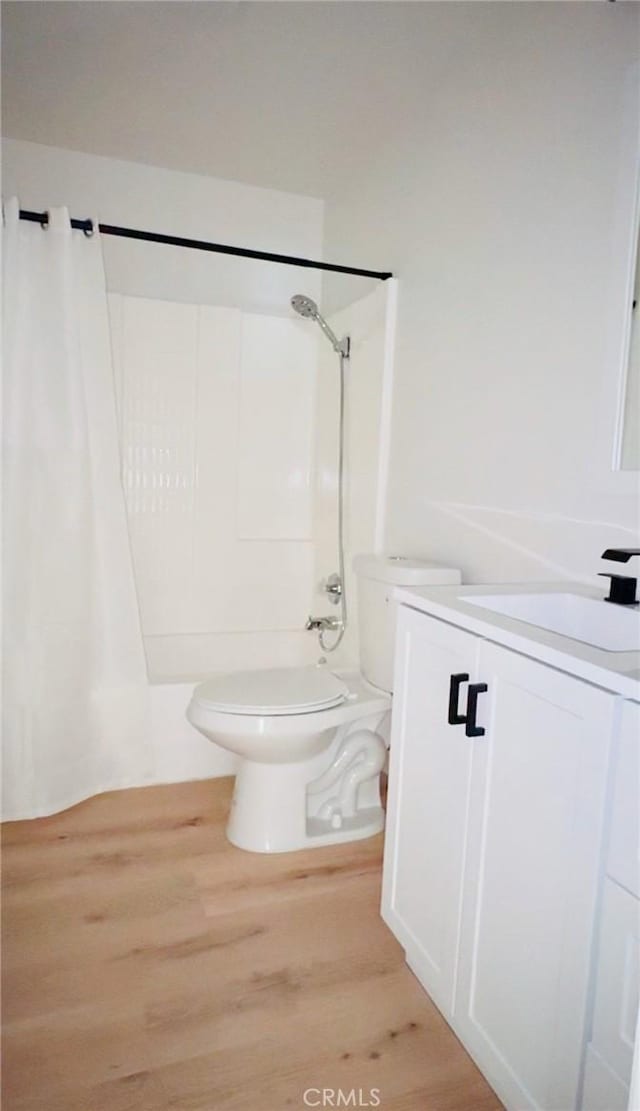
(631, 253)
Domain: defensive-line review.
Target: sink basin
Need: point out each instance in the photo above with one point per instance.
(601, 624)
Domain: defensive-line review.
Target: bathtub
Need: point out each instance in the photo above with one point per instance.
(178, 751)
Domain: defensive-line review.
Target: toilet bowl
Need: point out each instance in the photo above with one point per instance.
(312, 742)
(311, 754)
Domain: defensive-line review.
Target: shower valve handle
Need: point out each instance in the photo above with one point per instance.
(333, 588)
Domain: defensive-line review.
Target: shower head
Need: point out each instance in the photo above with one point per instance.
(308, 308)
(305, 306)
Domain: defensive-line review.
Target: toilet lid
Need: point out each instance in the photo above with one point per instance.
(279, 690)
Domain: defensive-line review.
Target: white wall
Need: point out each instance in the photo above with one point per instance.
(495, 204)
(150, 198)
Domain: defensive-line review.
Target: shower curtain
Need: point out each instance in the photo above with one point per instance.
(74, 706)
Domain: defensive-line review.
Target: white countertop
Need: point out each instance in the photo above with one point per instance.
(615, 671)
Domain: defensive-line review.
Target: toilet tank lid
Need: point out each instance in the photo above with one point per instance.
(401, 570)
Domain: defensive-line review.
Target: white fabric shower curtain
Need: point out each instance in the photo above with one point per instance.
(74, 707)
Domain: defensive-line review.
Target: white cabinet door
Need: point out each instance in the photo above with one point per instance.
(602, 1090)
(618, 980)
(623, 864)
(429, 782)
(533, 861)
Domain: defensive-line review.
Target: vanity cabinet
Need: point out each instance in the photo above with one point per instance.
(493, 849)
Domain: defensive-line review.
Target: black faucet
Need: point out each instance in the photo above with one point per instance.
(623, 587)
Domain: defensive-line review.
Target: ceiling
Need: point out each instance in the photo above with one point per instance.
(299, 96)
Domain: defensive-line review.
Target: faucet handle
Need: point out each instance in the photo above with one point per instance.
(620, 555)
(622, 590)
(332, 587)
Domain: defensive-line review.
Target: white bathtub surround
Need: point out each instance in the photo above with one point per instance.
(217, 453)
(370, 324)
(179, 752)
(75, 690)
(229, 453)
(191, 658)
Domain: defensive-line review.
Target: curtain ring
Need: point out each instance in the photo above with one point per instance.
(88, 229)
(44, 221)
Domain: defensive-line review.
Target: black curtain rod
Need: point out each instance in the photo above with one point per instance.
(201, 245)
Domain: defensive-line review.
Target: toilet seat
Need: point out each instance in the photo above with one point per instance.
(276, 691)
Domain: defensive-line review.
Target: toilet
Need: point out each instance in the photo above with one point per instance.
(312, 742)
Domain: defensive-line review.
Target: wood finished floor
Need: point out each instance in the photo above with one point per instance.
(148, 965)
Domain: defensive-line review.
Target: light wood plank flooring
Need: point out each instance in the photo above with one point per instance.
(149, 965)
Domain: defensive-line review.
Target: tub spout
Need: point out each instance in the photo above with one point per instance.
(321, 623)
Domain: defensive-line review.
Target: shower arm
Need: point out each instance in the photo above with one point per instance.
(340, 346)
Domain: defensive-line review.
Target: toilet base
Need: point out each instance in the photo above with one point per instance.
(330, 799)
(365, 824)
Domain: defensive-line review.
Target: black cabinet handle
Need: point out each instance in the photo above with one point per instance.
(454, 693)
(470, 727)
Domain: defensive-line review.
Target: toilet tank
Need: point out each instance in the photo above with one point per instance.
(378, 576)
